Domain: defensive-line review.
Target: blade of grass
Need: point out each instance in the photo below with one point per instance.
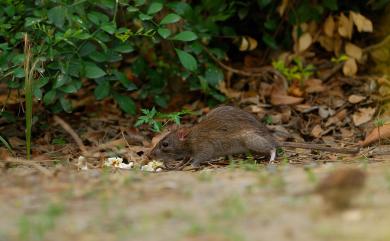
(28, 93)
(5, 143)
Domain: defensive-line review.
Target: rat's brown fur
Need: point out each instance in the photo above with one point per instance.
(226, 130)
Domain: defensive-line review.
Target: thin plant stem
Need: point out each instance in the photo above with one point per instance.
(28, 78)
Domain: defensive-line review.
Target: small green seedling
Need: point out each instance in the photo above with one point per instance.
(341, 59)
(296, 72)
(157, 120)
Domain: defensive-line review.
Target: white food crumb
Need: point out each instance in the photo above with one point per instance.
(153, 166)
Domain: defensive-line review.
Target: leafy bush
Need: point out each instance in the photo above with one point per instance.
(137, 50)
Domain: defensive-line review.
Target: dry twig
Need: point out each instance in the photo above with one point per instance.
(71, 132)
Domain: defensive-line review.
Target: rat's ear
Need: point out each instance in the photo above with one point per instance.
(172, 127)
(182, 133)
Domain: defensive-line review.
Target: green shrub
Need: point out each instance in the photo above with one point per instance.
(89, 43)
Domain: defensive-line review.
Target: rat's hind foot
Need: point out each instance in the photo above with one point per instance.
(272, 155)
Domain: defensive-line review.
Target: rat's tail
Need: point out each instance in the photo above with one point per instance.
(320, 147)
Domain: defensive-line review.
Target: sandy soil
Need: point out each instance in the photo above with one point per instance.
(237, 203)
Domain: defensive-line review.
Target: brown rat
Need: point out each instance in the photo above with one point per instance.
(226, 130)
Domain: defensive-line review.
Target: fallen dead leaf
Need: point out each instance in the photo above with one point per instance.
(304, 108)
(381, 132)
(252, 43)
(362, 23)
(280, 99)
(345, 26)
(314, 86)
(316, 131)
(286, 114)
(346, 133)
(354, 99)
(324, 112)
(350, 67)
(255, 109)
(329, 26)
(276, 118)
(363, 115)
(304, 42)
(353, 51)
(282, 7)
(295, 90)
(244, 44)
(327, 42)
(337, 118)
(16, 141)
(231, 93)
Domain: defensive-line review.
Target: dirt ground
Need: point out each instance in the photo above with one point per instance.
(238, 202)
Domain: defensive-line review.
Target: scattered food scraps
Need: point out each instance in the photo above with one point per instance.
(118, 163)
(153, 166)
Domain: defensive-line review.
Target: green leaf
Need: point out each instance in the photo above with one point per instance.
(154, 8)
(102, 90)
(185, 36)
(125, 103)
(92, 71)
(87, 49)
(164, 32)
(66, 105)
(98, 57)
(139, 2)
(19, 72)
(170, 18)
(214, 75)
(109, 27)
(39, 83)
(57, 16)
(132, 9)
(331, 4)
(73, 87)
(124, 48)
(270, 41)
(60, 80)
(49, 97)
(161, 100)
(144, 17)
(263, 3)
(97, 18)
(270, 24)
(124, 81)
(37, 93)
(187, 60)
(181, 8)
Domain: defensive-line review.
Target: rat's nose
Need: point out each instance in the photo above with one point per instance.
(150, 154)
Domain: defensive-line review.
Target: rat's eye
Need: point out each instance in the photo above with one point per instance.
(165, 144)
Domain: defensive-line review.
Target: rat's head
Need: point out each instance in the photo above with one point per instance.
(172, 147)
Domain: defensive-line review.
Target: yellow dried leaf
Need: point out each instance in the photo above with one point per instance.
(362, 23)
(345, 26)
(338, 42)
(316, 131)
(353, 51)
(252, 43)
(244, 44)
(354, 99)
(282, 7)
(326, 42)
(304, 42)
(280, 99)
(363, 115)
(329, 26)
(247, 43)
(350, 67)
